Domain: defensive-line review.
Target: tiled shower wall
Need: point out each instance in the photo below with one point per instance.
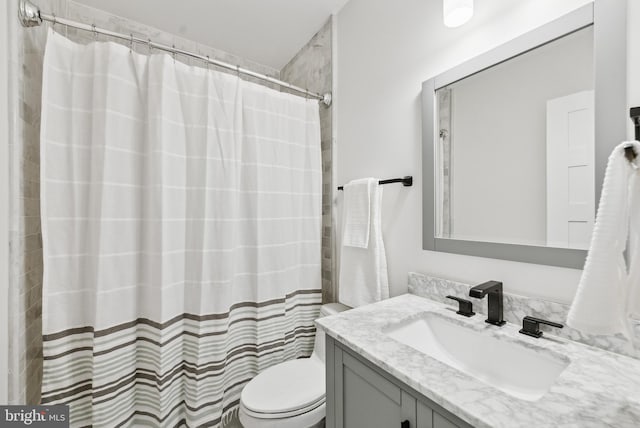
(25, 291)
(25, 239)
(311, 68)
(444, 187)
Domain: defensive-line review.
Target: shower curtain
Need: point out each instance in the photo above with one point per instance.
(181, 215)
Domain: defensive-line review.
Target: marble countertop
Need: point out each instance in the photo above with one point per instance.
(597, 389)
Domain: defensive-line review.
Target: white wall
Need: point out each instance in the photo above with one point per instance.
(385, 51)
(4, 204)
(499, 133)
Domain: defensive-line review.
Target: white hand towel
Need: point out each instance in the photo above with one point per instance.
(363, 271)
(357, 212)
(602, 304)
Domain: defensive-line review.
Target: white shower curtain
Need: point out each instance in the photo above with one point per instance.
(181, 215)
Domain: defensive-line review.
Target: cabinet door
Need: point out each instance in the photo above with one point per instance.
(363, 398)
(425, 416)
(440, 421)
(369, 400)
(429, 418)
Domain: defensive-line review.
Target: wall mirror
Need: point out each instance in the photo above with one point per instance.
(515, 141)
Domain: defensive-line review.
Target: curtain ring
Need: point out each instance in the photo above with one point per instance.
(149, 45)
(238, 71)
(130, 43)
(206, 63)
(95, 31)
(306, 95)
(55, 20)
(173, 53)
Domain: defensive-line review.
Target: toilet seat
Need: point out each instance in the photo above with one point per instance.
(311, 419)
(289, 414)
(286, 390)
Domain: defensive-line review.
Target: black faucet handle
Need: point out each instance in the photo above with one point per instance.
(465, 307)
(531, 326)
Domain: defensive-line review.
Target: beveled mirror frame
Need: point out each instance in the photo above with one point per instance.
(609, 20)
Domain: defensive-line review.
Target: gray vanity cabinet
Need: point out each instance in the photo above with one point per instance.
(361, 395)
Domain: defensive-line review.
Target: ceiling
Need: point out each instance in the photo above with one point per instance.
(269, 32)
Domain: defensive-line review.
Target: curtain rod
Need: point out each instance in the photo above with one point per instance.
(31, 16)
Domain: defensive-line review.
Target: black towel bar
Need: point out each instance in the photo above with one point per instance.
(406, 181)
(634, 113)
(629, 153)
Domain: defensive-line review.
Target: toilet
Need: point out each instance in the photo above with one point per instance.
(289, 394)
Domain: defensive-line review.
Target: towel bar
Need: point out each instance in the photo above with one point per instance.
(406, 181)
(629, 153)
(634, 113)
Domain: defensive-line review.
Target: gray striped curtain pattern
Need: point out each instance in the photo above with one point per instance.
(181, 235)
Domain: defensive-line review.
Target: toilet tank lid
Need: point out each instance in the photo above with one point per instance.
(333, 308)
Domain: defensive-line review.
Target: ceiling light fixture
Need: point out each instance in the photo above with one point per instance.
(457, 12)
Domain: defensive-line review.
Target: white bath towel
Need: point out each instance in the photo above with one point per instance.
(357, 212)
(363, 271)
(608, 293)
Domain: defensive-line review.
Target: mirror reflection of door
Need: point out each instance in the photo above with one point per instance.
(570, 170)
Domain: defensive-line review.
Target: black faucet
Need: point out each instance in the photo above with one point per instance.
(494, 290)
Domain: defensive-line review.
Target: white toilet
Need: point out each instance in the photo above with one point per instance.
(289, 394)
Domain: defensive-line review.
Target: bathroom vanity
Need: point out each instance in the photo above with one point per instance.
(362, 395)
(413, 362)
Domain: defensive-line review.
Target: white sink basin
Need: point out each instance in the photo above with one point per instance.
(511, 367)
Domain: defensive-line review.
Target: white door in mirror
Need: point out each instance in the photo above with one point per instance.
(570, 170)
